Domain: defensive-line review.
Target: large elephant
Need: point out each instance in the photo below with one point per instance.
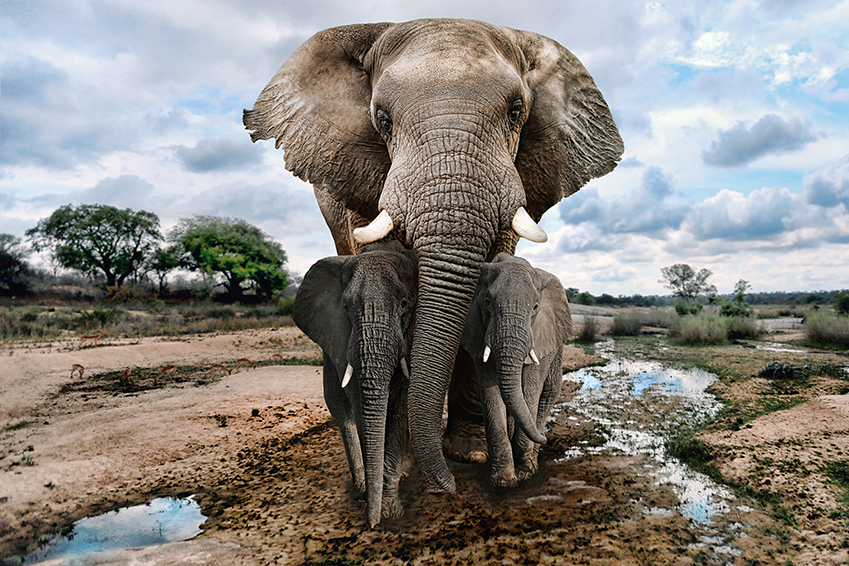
(457, 136)
(360, 310)
(515, 332)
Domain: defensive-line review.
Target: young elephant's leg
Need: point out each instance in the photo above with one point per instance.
(397, 439)
(501, 472)
(525, 450)
(343, 415)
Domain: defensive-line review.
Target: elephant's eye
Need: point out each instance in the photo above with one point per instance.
(384, 122)
(516, 111)
(536, 307)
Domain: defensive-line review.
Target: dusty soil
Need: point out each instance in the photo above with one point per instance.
(261, 453)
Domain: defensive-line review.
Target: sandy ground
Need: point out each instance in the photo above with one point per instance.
(260, 451)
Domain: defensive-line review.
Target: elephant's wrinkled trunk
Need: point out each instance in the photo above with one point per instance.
(509, 357)
(446, 285)
(378, 357)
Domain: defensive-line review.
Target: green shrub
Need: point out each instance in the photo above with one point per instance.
(735, 309)
(684, 308)
(628, 324)
(743, 328)
(99, 317)
(589, 330)
(826, 329)
(703, 329)
(841, 302)
(285, 305)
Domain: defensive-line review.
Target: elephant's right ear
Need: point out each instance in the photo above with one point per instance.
(319, 312)
(570, 136)
(317, 108)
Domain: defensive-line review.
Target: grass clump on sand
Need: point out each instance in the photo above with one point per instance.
(703, 329)
(827, 330)
(627, 324)
(589, 330)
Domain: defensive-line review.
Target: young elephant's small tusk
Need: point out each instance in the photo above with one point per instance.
(525, 226)
(486, 352)
(404, 369)
(378, 229)
(349, 371)
(534, 357)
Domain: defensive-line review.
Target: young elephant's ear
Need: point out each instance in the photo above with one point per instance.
(474, 333)
(553, 323)
(319, 312)
(570, 136)
(317, 107)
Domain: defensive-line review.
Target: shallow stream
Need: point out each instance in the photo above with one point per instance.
(638, 405)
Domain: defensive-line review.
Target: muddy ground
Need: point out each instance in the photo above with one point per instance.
(259, 450)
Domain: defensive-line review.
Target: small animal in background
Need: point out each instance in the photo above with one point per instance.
(93, 338)
(77, 368)
(125, 377)
(244, 362)
(167, 370)
(220, 368)
(278, 357)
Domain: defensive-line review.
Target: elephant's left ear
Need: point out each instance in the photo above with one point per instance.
(553, 323)
(570, 136)
(317, 108)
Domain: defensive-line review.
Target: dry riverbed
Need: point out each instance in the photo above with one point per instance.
(260, 453)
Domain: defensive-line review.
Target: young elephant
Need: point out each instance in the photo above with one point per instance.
(359, 309)
(515, 332)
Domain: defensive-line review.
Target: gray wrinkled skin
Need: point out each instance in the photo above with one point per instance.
(449, 126)
(516, 309)
(359, 309)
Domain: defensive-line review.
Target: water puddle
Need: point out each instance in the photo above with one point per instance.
(161, 521)
(638, 405)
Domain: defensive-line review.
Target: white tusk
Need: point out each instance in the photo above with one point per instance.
(349, 371)
(378, 229)
(525, 226)
(486, 352)
(404, 369)
(534, 357)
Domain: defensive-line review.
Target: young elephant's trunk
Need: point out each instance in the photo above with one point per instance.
(509, 358)
(378, 359)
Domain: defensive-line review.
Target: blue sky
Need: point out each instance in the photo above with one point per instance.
(735, 117)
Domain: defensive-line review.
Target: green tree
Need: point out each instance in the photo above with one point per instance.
(96, 238)
(686, 283)
(239, 253)
(739, 306)
(162, 262)
(13, 267)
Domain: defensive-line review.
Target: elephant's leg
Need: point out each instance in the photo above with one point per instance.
(336, 218)
(526, 451)
(502, 473)
(465, 435)
(397, 441)
(343, 415)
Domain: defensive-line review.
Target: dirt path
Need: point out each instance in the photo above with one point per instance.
(259, 450)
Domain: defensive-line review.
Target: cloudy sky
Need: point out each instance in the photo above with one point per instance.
(735, 117)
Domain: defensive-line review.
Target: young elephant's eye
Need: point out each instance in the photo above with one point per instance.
(384, 122)
(536, 307)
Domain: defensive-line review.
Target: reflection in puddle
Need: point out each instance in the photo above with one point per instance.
(161, 521)
(638, 405)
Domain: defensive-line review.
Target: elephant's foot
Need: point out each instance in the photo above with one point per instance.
(391, 507)
(503, 478)
(525, 470)
(358, 489)
(462, 448)
(465, 436)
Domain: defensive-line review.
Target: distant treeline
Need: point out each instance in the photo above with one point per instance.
(775, 298)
